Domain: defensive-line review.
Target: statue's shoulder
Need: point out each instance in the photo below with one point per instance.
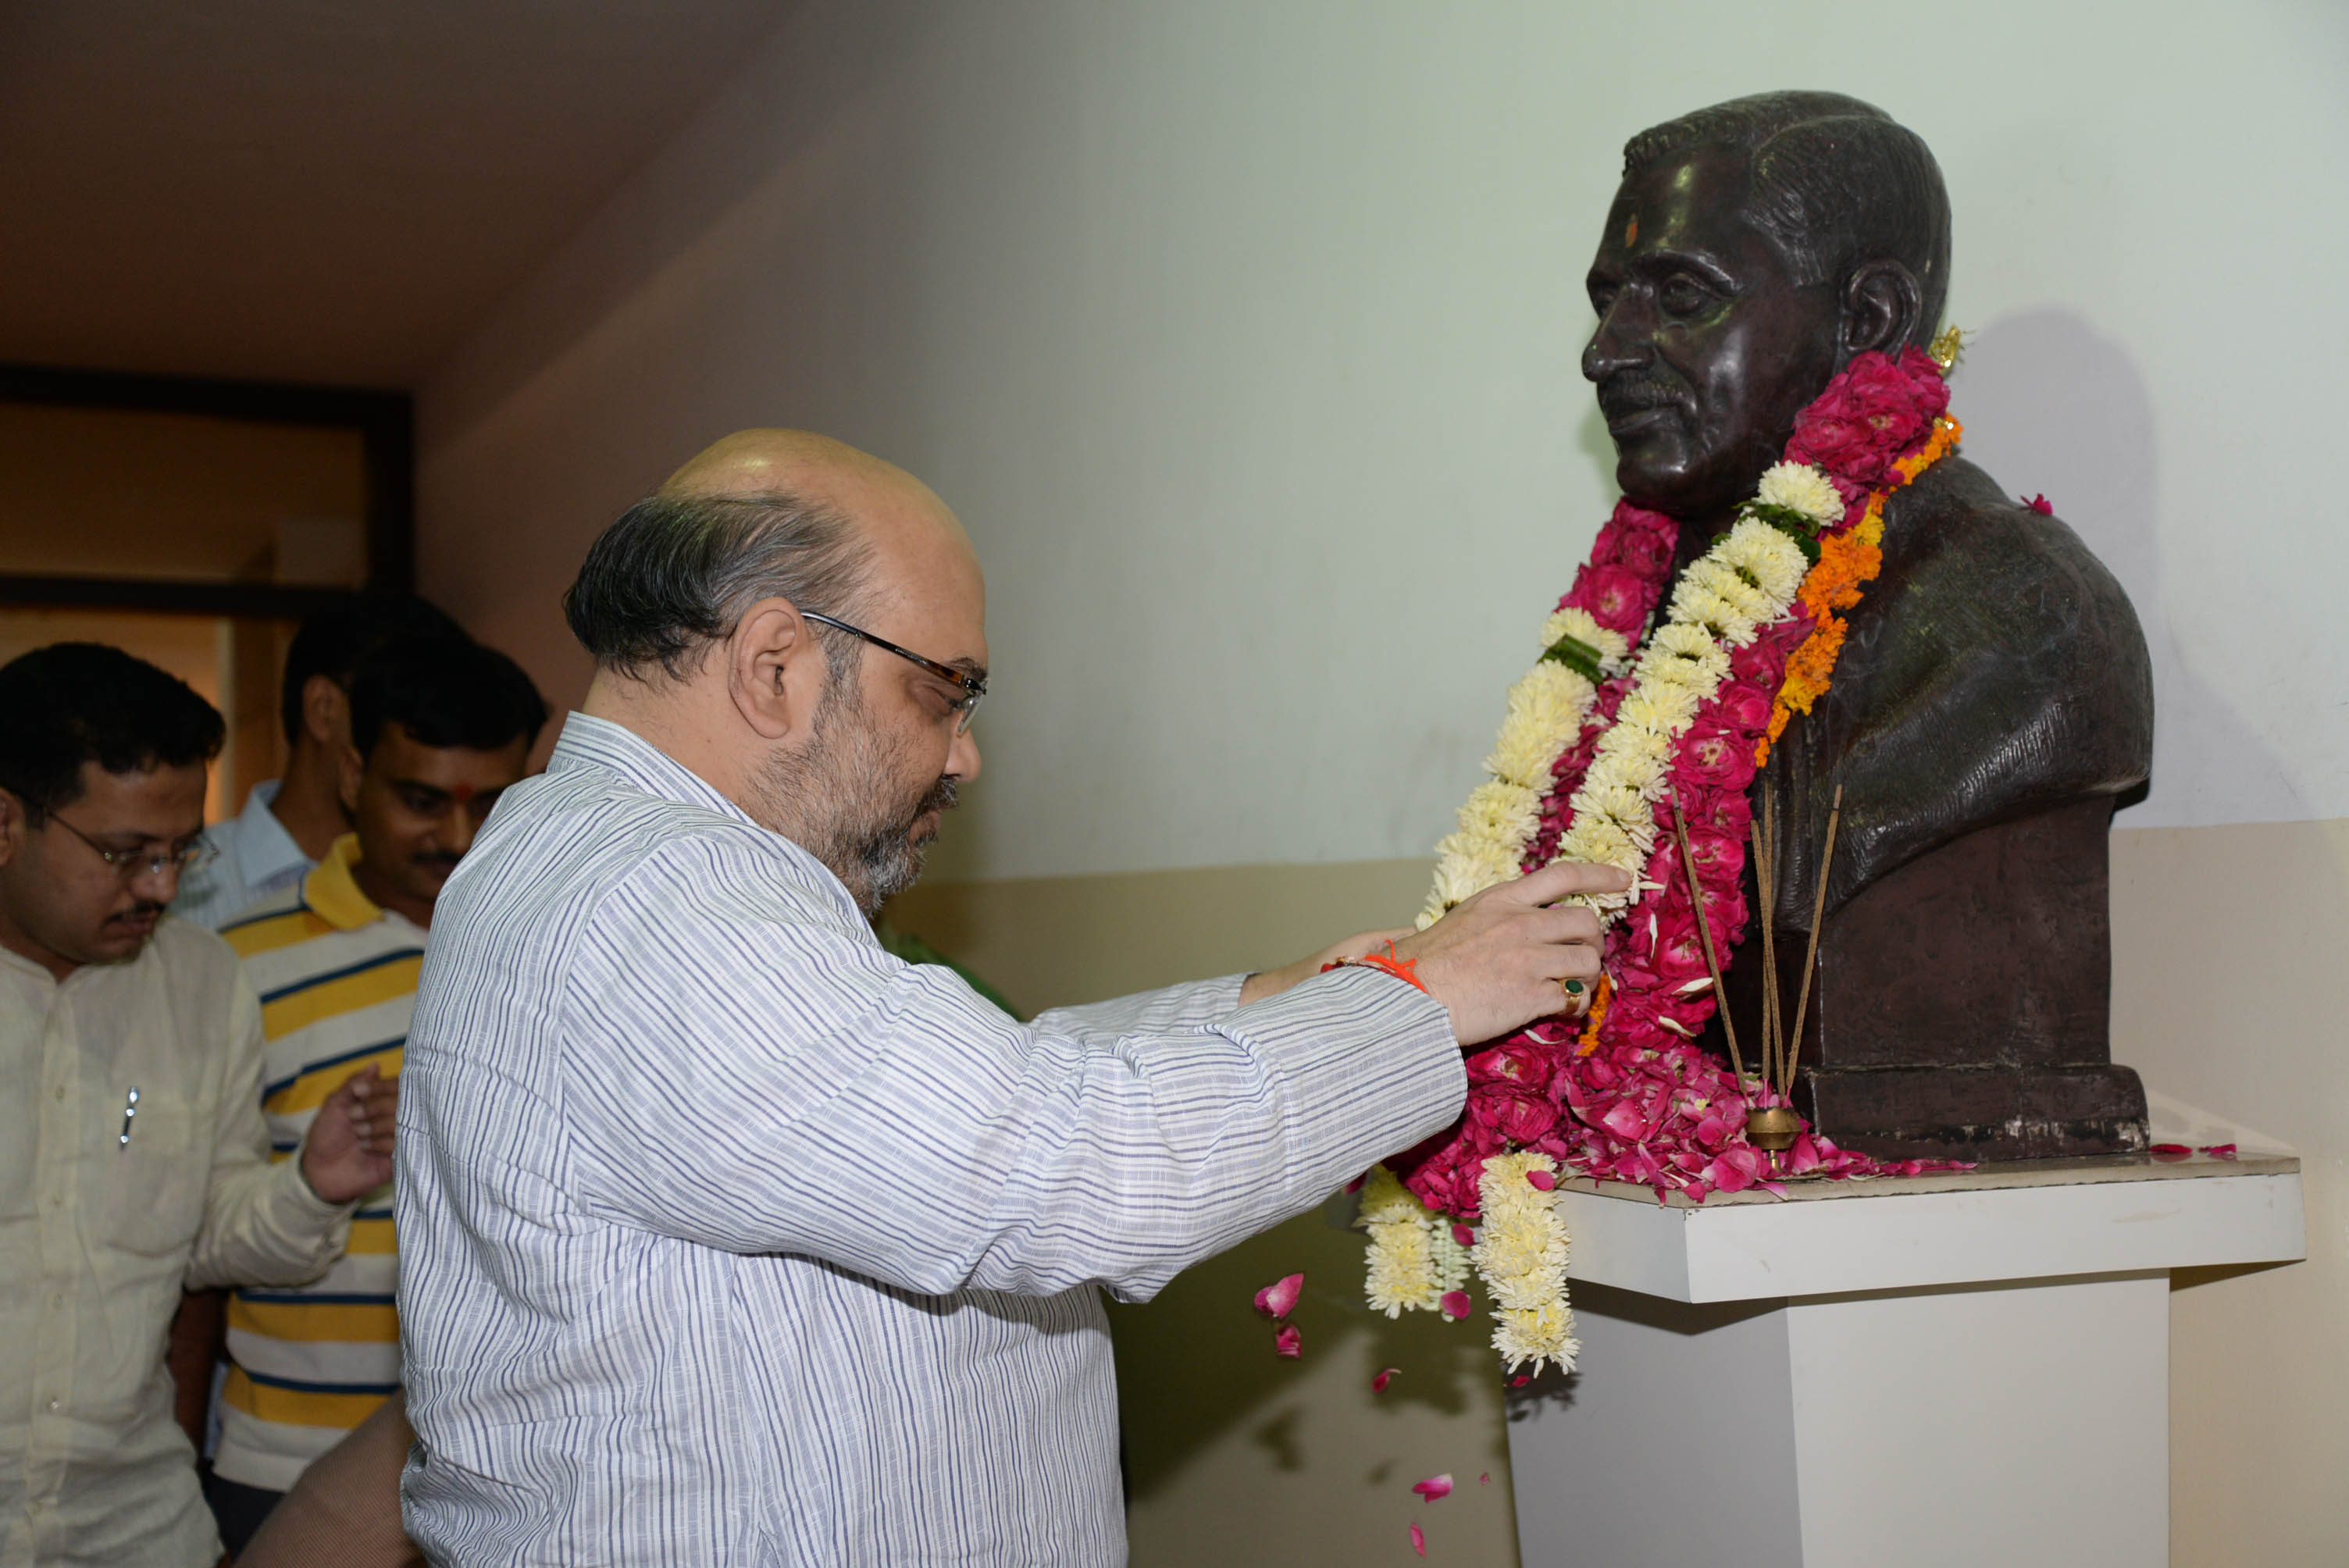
(1989, 568)
(1995, 638)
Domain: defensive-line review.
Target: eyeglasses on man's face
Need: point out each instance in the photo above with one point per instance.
(179, 860)
(972, 688)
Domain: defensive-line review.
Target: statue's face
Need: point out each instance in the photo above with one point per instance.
(1706, 347)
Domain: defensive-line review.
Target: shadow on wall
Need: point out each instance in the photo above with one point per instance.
(2052, 408)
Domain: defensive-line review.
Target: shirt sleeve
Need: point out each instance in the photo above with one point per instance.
(263, 1225)
(745, 1069)
(1183, 1006)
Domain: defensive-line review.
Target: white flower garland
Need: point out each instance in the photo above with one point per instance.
(1546, 711)
(1413, 1263)
(1521, 1256)
(1744, 582)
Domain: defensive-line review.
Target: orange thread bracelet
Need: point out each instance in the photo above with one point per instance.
(1403, 969)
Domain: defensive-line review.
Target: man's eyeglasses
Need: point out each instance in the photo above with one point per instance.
(972, 688)
(133, 864)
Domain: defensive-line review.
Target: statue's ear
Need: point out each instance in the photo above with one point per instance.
(1881, 310)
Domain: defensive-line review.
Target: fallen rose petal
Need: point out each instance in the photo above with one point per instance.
(1279, 1300)
(1485, 1480)
(2171, 1152)
(1463, 1236)
(1289, 1342)
(1419, 1540)
(1541, 1180)
(1435, 1488)
(1520, 1381)
(1386, 1375)
(1454, 1303)
(2219, 1150)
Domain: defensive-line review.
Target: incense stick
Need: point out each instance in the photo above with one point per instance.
(1704, 935)
(1766, 887)
(1818, 915)
(1770, 941)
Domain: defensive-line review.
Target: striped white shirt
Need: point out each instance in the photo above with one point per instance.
(336, 977)
(730, 1238)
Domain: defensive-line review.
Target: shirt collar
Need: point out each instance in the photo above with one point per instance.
(590, 742)
(264, 849)
(333, 893)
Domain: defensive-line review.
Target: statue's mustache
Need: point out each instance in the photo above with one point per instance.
(1630, 392)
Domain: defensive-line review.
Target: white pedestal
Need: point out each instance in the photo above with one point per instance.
(1957, 1369)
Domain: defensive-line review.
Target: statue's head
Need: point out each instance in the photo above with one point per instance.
(1754, 249)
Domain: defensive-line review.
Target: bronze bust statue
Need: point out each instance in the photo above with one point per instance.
(1993, 694)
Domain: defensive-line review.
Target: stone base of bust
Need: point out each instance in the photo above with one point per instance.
(1963, 1002)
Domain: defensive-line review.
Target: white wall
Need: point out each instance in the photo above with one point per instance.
(1244, 337)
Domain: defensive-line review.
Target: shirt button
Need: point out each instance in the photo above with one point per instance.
(60, 1091)
(56, 1404)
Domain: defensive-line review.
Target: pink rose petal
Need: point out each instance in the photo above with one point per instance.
(1541, 1180)
(1419, 1540)
(2171, 1152)
(2219, 1150)
(1386, 1375)
(1289, 1342)
(1279, 1300)
(1463, 1236)
(1435, 1488)
(1454, 1303)
(1485, 1480)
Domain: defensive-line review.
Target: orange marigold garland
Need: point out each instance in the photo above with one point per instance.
(1847, 562)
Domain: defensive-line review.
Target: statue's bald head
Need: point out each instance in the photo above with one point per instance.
(763, 513)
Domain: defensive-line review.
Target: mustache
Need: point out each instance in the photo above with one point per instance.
(941, 797)
(1629, 392)
(145, 909)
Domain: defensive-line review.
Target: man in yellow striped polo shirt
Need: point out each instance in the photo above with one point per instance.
(439, 728)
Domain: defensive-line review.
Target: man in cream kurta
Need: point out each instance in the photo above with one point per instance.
(132, 1152)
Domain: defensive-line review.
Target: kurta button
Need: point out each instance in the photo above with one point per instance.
(60, 1091)
(56, 1404)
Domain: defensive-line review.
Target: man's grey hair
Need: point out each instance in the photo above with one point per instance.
(1836, 183)
(677, 572)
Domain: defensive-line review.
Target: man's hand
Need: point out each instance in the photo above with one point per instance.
(1273, 982)
(348, 1151)
(1501, 960)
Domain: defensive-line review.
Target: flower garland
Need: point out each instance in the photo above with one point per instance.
(1750, 637)
(1414, 1261)
(1521, 1257)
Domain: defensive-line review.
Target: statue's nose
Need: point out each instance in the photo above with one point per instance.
(1620, 342)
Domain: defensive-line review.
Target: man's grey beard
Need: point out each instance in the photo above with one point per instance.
(838, 799)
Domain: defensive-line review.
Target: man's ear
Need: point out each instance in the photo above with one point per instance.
(774, 670)
(1881, 307)
(350, 767)
(325, 712)
(16, 826)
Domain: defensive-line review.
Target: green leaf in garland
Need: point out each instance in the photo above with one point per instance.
(1577, 655)
(1800, 527)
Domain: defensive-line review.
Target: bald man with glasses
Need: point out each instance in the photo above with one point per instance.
(132, 1152)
